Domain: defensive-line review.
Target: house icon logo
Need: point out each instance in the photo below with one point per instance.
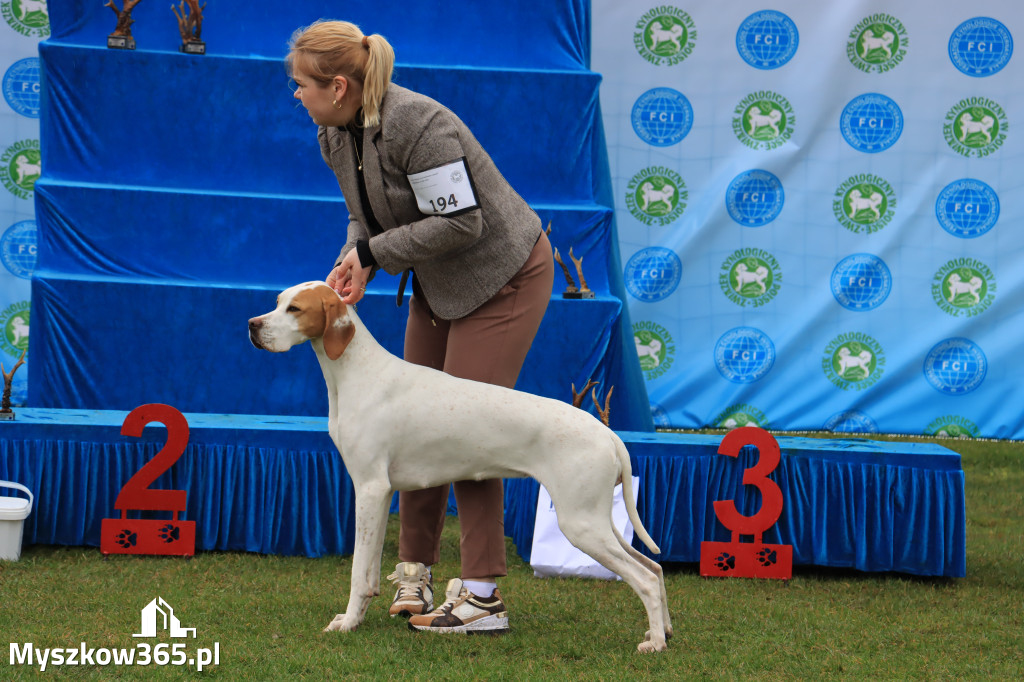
(160, 614)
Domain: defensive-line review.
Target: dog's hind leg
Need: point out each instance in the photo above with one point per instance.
(600, 542)
(655, 568)
(372, 506)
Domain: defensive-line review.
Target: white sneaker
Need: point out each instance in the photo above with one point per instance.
(415, 589)
(464, 612)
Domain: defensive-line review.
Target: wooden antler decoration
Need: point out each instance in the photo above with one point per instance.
(124, 16)
(5, 403)
(570, 283)
(577, 398)
(607, 405)
(190, 21)
(578, 262)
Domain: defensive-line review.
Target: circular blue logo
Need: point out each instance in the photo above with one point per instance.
(754, 198)
(851, 421)
(767, 39)
(744, 354)
(660, 416)
(871, 123)
(980, 47)
(967, 208)
(652, 274)
(955, 366)
(861, 282)
(18, 248)
(21, 87)
(662, 117)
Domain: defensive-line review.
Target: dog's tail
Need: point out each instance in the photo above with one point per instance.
(627, 495)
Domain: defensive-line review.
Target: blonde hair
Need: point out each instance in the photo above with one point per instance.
(327, 49)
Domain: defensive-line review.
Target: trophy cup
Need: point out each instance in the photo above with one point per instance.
(6, 413)
(190, 25)
(122, 38)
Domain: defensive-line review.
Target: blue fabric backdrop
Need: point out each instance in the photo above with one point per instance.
(180, 193)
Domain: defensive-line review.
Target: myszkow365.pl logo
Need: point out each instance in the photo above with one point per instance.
(955, 366)
(156, 615)
(877, 44)
(975, 127)
(665, 35)
(763, 120)
(20, 167)
(750, 276)
(864, 203)
(14, 323)
(980, 47)
(28, 17)
(767, 39)
(656, 195)
(853, 361)
(654, 347)
(952, 426)
(739, 415)
(964, 287)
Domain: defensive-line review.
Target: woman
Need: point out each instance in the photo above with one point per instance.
(424, 197)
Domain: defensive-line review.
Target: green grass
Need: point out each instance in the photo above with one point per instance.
(267, 612)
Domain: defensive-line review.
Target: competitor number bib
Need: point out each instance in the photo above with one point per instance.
(445, 190)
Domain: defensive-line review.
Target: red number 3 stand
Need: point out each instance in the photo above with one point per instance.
(151, 536)
(749, 559)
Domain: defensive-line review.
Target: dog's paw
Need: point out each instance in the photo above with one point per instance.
(342, 623)
(649, 647)
(668, 634)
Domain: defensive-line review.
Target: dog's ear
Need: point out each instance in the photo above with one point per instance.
(338, 327)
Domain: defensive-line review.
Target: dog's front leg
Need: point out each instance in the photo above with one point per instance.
(372, 506)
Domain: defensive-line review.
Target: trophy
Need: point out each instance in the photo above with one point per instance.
(571, 290)
(122, 38)
(6, 413)
(190, 25)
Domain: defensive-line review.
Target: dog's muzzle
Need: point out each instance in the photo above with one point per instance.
(255, 327)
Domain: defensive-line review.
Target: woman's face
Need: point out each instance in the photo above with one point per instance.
(318, 99)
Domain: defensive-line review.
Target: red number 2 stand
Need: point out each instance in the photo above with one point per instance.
(749, 559)
(151, 536)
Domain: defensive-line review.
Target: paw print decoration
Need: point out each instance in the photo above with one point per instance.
(755, 559)
(160, 536)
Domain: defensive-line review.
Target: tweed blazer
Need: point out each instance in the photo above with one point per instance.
(460, 261)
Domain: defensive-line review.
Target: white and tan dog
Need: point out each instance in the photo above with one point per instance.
(400, 426)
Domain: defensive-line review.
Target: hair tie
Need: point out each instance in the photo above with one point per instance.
(366, 42)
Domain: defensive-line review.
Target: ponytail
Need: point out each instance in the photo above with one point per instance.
(338, 48)
(380, 62)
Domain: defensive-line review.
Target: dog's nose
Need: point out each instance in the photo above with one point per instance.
(255, 323)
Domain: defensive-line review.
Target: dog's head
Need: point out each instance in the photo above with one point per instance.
(305, 311)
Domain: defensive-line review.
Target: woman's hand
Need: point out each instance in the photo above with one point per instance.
(349, 278)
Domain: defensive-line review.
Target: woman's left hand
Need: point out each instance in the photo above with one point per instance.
(351, 278)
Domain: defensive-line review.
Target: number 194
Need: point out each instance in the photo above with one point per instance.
(440, 204)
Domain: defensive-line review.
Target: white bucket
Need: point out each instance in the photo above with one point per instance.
(13, 512)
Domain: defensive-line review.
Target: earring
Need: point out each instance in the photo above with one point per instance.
(335, 104)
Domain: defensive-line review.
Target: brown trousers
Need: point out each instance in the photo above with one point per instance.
(488, 345)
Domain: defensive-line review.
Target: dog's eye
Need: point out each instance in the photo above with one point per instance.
(292, 309)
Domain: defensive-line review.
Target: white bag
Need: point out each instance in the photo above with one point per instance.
(553, 556)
